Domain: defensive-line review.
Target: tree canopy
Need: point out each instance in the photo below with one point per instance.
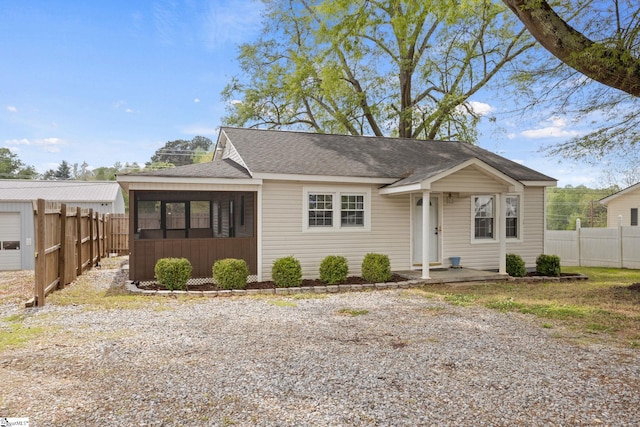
(63, 172)
(599, 40)
(181, 151)
(397, 67)
(11, 167)
(566, 205)
(613, 59)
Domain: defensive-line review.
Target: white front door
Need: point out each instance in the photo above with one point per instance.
(434, 243)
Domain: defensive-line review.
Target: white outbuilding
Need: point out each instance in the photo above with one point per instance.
(16, 211)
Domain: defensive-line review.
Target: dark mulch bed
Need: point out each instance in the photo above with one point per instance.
(536, 274)
(351, 280)
(634, 287)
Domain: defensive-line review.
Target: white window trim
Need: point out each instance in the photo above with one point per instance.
(520, 220)
(336, 192)
(496, 234)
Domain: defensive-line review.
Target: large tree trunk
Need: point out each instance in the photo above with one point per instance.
(614, 67)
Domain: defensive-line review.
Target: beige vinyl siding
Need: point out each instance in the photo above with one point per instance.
(468, 180)
(283, 235)
(622, 205)
(457, 229)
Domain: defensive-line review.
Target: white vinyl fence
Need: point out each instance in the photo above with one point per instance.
(596, 247)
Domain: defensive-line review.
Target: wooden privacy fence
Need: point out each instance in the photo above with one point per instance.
(119, 234)
(68, 241)
(617, 247)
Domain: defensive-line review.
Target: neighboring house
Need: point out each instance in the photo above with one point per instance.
(269, 194)
(623, 204)
(16, 212)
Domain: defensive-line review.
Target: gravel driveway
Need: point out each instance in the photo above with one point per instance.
(408, 361)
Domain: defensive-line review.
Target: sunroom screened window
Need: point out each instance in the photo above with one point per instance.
(320, 210)
(352, 210)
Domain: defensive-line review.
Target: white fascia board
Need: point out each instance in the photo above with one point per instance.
(540, 183)
(323, 178)
(401, 189)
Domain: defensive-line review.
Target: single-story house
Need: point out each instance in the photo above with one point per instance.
(268, 194)
(623, 204)
(16, 211)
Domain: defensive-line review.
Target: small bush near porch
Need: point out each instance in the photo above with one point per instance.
(604, 308)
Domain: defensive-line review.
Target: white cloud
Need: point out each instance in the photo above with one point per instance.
(556, 128)
(50, 145)
(12, 109)
(480, 108)
(128, 110)
(196, 100)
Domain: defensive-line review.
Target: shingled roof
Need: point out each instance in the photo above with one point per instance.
(257, 152)
(63, 191)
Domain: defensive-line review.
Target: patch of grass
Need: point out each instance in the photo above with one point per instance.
(282, 303)
(82, 293)
(603, 300)
(13, 332)
(555, 311)
(547, 325)
(352, 312)
(308, 295)
(504, 305)
(460, 299)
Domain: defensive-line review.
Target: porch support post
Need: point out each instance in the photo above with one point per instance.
(426, 234)
(501, 225)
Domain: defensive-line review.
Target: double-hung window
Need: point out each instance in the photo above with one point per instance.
(634, 216)
(352, 210)
(333, 210)
(513, 217)
(483, 217)
(320, 210)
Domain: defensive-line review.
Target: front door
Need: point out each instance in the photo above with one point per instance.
(434, 223)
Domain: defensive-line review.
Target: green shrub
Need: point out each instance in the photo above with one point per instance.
(548, 265)
(286, 272)
(334, 269)
(173, 272)
(515, 266)
(230, 273)
(376, 268)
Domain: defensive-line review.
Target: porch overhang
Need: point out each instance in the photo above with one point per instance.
(423, 181)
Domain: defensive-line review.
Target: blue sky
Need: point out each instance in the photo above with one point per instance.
(113, 81)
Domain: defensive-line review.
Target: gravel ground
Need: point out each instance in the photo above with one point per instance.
(242, 361)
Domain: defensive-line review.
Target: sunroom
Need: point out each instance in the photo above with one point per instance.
(201, 226)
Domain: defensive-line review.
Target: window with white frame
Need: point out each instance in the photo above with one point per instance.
(512, 217)
(352, 210)
(483, 217)
(320, 210)
(336, 209)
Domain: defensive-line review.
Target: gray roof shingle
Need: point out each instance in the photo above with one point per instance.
(304, 153)
(284, 152)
